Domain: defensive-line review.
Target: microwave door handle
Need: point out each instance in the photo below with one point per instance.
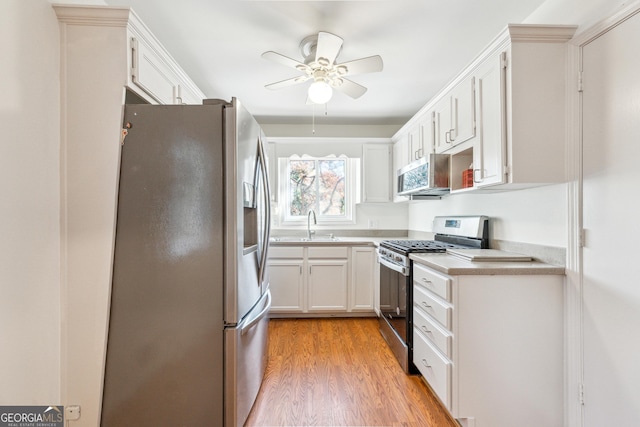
(267, 210)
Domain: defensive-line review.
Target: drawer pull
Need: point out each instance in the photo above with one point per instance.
(424, 328)
(425, 363)
(424, 303)
(425, 280)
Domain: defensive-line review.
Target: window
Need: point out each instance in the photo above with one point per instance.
(322, 184)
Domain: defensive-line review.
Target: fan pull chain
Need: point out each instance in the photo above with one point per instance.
(313, 120)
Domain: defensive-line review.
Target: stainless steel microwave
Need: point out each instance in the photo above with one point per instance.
(428, 176)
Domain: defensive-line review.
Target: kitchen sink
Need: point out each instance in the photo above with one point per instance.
(305, 239)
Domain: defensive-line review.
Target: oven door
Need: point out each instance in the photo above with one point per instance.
(394, 323)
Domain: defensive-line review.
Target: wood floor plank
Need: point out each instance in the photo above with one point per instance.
(339, 372)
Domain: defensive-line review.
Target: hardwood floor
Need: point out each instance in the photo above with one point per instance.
(339, 372)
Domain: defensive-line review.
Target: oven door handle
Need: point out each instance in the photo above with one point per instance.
(395, 267)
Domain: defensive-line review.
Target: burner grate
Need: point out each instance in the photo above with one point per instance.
(408, 246)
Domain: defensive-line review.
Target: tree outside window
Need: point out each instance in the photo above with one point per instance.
(318, 184)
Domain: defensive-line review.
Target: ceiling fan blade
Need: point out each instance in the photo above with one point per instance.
(354, 90)
(328, 47)
(286, 61)
(288, 82)
(370, 64)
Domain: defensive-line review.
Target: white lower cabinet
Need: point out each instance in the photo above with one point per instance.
(286, 284)
(320, 280)
(327, 285)
(363, 278)
(495, 356)
(434, 367)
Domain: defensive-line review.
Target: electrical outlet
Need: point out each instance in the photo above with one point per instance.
(72, 413)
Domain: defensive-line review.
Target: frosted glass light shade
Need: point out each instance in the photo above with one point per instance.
(320, 92)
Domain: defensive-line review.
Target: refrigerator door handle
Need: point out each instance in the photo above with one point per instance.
(251, 323)
(267, 209)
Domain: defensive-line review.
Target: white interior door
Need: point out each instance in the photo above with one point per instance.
(611, 215)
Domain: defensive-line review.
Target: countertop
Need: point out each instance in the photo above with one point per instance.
(454, 266)
(324, 241)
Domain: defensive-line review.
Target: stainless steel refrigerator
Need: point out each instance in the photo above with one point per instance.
(188, 326)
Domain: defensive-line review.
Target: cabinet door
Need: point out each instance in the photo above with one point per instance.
(416, 149)
(286, 284)
(376, 170)
(428, 134)
(489, 158)
(151, 73)
(362, 279)
(442, 124)
(327, 285)
(400, 156)
(185, 95)
(463, 118)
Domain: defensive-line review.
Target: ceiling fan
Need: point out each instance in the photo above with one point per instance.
(319, 64)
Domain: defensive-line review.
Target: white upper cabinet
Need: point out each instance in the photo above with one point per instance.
(376, 173)
(414, 141)
(520, 103)
(420, 137)
(488, 151)
(141, 63)
(502, 119)
(155, 73)
(455, 116)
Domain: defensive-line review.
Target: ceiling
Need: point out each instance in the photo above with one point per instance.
(423, 44)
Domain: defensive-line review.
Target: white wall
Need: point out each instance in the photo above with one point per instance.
(535, 216)
(30, 254)
(583, 13)
(29, 204)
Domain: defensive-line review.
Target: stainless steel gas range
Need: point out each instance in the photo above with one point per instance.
(396, 296)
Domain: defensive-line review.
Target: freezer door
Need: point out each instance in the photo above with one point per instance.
(245, 362)
(247, 213)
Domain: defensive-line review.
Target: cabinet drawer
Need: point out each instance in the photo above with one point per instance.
(435, 368)
(285, 252)
(328, 252)
(430, 328)
(436, 283)
(432, 305)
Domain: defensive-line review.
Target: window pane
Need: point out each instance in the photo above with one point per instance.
(331, 188)
(302, 176)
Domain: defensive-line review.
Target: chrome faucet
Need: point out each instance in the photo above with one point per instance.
(309, 232)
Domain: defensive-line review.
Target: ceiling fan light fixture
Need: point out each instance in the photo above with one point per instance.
(320, 92)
